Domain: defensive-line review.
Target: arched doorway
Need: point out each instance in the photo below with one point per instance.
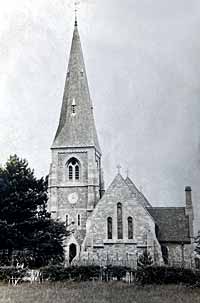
(72, 252)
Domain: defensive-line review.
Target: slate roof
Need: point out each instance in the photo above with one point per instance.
(173, 224)
(76, 129)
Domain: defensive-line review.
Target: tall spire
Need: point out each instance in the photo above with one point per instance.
(76, 126)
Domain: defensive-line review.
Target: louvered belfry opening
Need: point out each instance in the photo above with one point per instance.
(73, 168)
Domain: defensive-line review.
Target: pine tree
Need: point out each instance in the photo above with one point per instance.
(26, 228)
(145, 260)
(197, 244)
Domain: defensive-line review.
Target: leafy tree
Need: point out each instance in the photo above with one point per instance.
(26, 228)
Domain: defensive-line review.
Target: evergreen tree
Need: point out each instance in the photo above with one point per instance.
(197, 244)
(26, 228)
(145, 260)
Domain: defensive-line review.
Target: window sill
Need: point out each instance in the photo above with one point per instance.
(119, 241)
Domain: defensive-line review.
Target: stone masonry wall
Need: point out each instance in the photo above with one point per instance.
(97, 243)
(179, 255)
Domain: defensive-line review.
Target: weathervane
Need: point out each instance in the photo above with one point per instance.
(76, 3)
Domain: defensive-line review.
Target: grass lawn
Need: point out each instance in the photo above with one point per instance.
(97, 292)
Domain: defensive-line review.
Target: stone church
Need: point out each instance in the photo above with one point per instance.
(113, 226)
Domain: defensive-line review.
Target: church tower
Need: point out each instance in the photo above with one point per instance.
(75, 178)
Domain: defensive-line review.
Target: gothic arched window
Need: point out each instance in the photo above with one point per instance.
(73, 168)
(79, 220)
(119, 221)
(67, 220)
(130, 228)
(109, 227)
(164, 250)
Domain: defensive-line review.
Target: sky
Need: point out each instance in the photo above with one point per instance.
(143, 66)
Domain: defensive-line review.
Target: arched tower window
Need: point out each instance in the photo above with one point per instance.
(109, 227)
(119, 221)
(130, 228)
(70, 172)
(77, 172)
(73, 169)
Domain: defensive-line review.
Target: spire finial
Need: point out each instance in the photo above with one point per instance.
(76, 3)
(127, 173)
(119, 168)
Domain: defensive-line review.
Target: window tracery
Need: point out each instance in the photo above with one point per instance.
(73, 169)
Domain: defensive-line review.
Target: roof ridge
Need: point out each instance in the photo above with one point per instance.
(132, 185)
(167, 207)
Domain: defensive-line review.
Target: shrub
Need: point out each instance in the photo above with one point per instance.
(77, 273)
(82, 273)
(167, 275)
(146, 275)
(118, 272)
(54, 273)
(8, 272)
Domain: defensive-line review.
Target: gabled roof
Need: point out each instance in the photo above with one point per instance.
(118, 181)
(136, 191)
(172, 223)
(76, 129)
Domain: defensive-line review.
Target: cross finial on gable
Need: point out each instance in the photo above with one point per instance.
(119, 169)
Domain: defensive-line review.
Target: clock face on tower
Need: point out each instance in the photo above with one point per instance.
(73, 198)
